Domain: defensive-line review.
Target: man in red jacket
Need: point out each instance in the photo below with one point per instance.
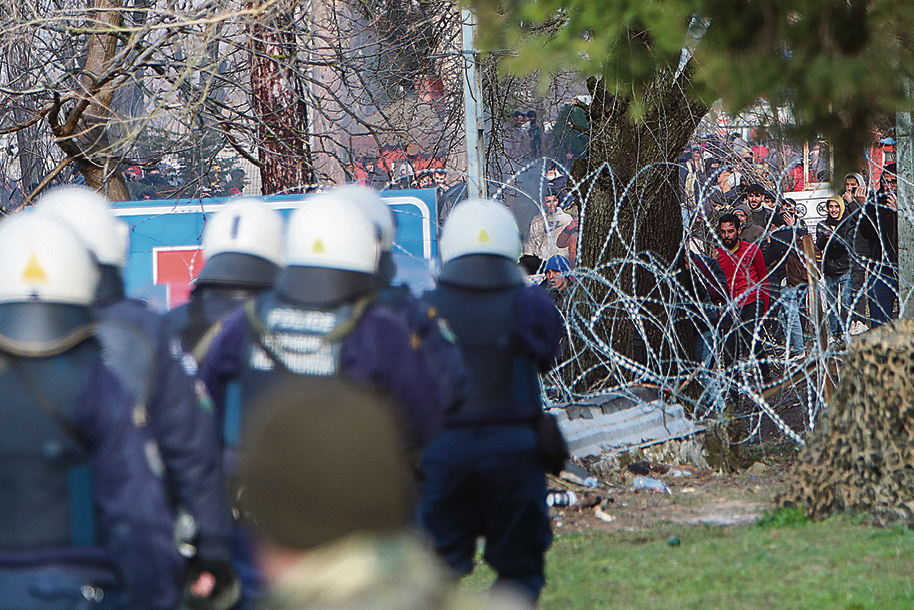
(747, 283)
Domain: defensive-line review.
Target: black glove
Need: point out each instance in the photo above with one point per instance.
(226, 590)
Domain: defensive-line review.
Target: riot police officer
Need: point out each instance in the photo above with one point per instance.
(319, 320)
(86, 521)
(140, 348)
(427, 329)
(242, 245)
(484, 474)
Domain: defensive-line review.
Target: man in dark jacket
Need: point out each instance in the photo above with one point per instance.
(755, 198)
(879, 225)
(704, 297)
(483, 475)
(785, 252)
(750, 231)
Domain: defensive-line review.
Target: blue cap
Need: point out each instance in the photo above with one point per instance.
(558, 263)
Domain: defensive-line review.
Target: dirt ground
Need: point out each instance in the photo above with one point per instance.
(695, 496)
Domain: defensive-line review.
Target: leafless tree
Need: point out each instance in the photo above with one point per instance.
(299, 93)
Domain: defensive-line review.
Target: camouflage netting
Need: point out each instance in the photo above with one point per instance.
(860, 458)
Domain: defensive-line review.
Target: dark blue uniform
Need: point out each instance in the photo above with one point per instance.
(260, 344)
(430, 333)
(84, 514)
(140, 347)
(377, 351)
(195, 322)
(483, 475)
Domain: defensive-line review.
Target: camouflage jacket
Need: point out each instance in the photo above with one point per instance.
(365, 572)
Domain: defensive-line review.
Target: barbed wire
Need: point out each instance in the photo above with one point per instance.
(763, 385)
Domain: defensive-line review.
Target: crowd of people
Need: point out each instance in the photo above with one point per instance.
(754, 260)
(310, 421)
(155, 181)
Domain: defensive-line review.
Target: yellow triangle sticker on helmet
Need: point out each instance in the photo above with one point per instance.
(483, 237)
(34, 273)
(318, 247)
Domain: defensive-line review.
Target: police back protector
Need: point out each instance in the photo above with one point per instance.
(283, 340)
(45, 462)
(477, 298)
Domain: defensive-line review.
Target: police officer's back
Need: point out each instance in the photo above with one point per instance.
(319, 320)
(484, 474)
(85, 516)
(140, 348)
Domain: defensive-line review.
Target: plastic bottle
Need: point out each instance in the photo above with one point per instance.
(590, 482)
(561, 498)
(650, 484)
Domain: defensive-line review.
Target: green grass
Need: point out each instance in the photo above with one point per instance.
(833, 565)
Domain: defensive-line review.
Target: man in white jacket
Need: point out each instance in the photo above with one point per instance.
(545, 228)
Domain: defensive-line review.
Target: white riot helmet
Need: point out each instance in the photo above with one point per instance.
(331, 252)
(242, 243)
(47, 281)
(480, 245)
(380, 214)
(89, 215)
(374, 208)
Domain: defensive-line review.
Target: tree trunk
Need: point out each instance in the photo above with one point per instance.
(859, 457)
(632, 234)
(279, 103)
(31, 160)
(83, 136)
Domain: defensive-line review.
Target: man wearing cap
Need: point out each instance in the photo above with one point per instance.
(557, 280)
(332, 531)
(751, 232)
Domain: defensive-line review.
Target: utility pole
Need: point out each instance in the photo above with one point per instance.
(904, 158)
(472, 102)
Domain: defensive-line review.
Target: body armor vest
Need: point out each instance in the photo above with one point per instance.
(282, 340)
(199, 321)
(129, 352)
(42, 459)
(503, 383)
